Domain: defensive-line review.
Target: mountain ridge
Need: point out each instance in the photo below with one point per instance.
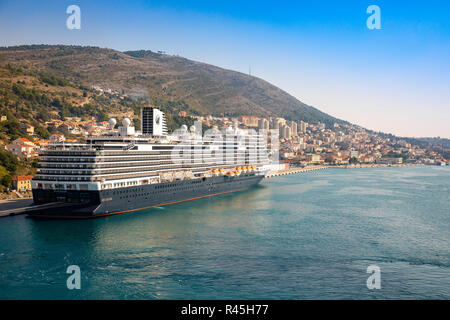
(165, 80)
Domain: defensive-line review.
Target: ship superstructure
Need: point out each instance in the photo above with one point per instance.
(125, 170)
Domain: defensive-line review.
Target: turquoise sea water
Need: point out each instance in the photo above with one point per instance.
(304, 236)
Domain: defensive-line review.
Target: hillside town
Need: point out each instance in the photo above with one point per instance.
(312, 144)
(300, 143)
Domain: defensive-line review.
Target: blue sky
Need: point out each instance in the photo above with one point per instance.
(395, 80)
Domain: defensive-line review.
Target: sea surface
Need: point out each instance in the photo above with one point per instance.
(302, 236)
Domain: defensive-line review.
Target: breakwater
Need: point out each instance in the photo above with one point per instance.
(272, 174)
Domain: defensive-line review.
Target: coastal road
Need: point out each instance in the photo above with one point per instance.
(6, 205)
(14, 204)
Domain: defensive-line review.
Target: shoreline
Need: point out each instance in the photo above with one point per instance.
(4, 198)
(11, 206)
(272, 174)
(376, 165)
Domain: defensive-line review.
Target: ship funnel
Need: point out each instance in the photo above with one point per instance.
(153, 122)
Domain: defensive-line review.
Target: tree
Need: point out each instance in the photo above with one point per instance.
(353, 160)
(9, 161)
(43, 116)
(11, 128)
(42, 132)
(7, 181)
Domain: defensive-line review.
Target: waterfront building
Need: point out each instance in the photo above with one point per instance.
(313, 158)
(303, 126)
(21, 183)
(27, 128)
(249, 121)
(354, 154)
(263, 124)
(294, 128)
(390, 160)
(22, 147)
(285, 131)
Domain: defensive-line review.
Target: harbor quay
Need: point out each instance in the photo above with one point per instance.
(272, 174)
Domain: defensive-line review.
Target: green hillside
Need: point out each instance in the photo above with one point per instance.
(173, 83)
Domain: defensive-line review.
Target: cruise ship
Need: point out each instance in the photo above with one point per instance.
(125, 170)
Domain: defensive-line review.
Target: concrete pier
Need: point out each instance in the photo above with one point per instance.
(272, 174)
(16, 207)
